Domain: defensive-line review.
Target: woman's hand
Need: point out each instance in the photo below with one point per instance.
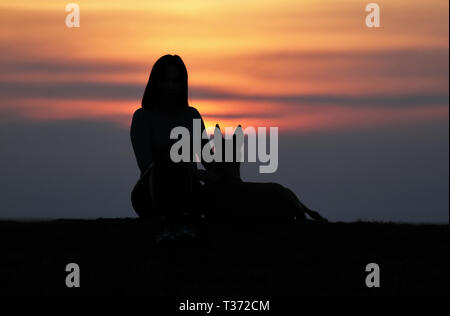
(209, 177)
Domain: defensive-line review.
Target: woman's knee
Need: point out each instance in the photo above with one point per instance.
(170, 184)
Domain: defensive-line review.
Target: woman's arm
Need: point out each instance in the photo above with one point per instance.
(140, 139)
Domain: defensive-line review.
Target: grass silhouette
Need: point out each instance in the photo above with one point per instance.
(235, 257)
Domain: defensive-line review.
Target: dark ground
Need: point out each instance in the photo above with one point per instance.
(231, 259)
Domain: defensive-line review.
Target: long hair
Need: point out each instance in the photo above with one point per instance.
(152, 95)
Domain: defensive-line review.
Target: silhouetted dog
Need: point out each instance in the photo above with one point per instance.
(227, 195)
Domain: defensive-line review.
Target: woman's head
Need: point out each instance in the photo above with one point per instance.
(167, 85)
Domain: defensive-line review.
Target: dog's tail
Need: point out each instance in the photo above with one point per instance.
(313, 214)
(316, 216)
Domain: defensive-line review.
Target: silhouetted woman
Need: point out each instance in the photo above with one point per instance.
(176, 189)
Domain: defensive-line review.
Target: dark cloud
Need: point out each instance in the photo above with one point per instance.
(129, 91)
(72, 90)
(86, 169)
(244, 115)
(395, 62)
(393, 100)
(347, 65)
(387, 54)
(70, 66)
(403, 64)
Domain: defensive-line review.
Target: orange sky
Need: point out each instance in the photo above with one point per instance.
(300, 65)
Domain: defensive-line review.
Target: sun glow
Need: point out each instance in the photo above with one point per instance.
(250, 63)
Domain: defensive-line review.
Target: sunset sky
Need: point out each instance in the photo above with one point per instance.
(299, 65)
(363, 113)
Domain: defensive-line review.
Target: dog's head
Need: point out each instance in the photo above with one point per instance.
(231, 151)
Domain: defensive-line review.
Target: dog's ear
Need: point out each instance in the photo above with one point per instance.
(228, 171)
(237, 141)
(238, 144)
